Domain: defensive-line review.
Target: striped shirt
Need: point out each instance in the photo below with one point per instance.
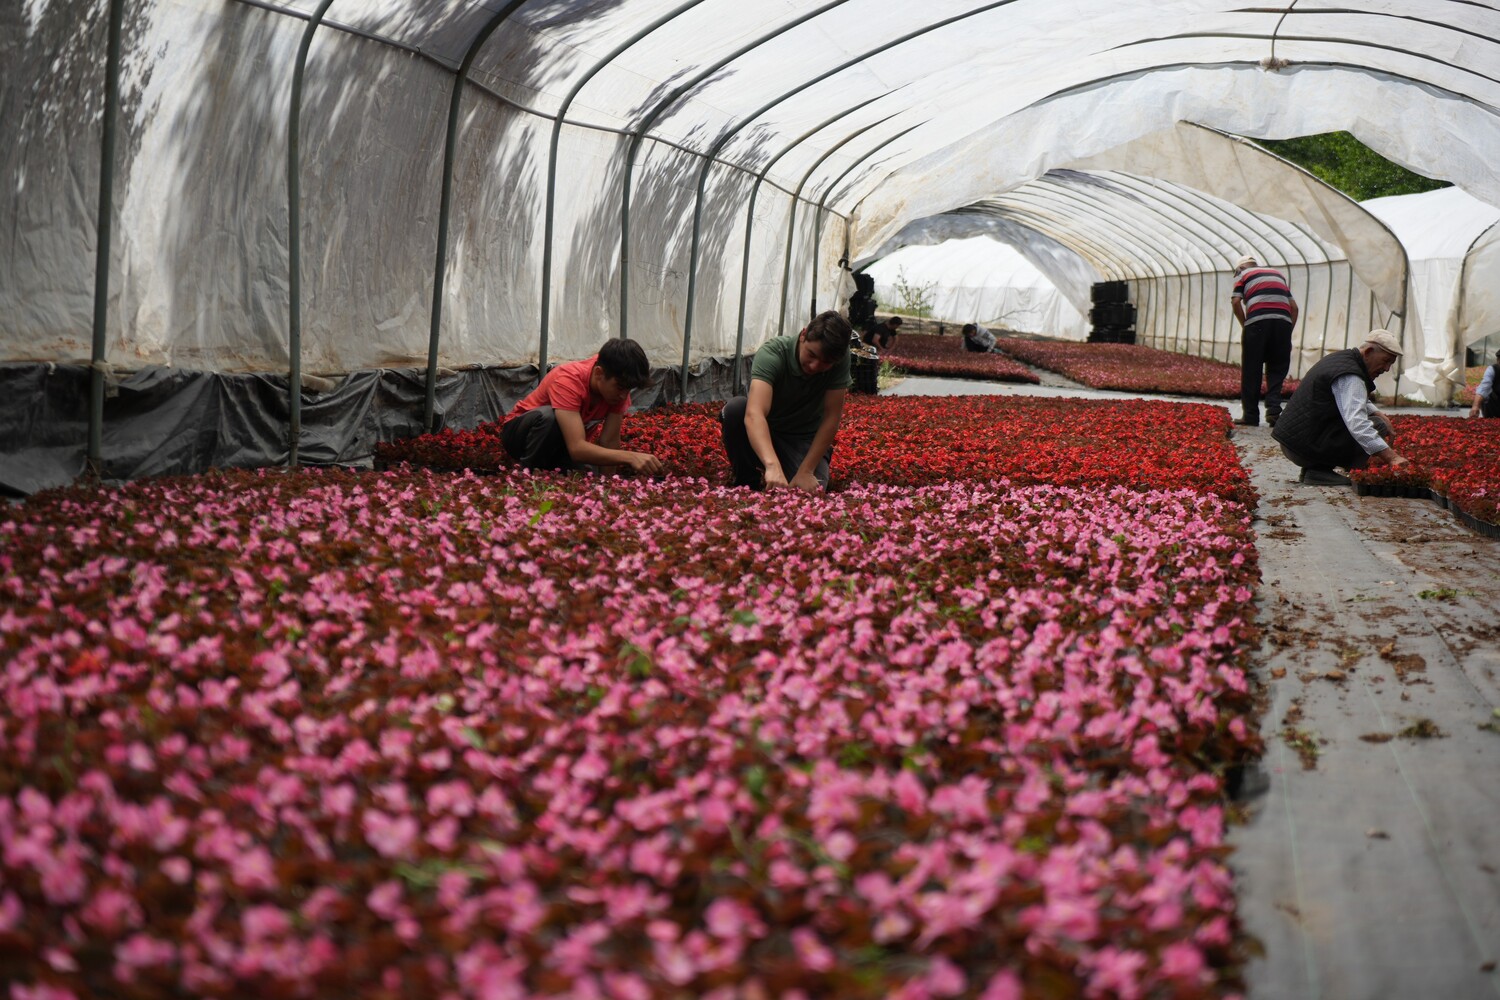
(1265, 293)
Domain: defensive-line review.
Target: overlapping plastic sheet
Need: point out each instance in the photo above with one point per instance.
(980, 279)
(685, 172)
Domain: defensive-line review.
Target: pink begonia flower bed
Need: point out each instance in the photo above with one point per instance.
(1134, 368)
(414, 734)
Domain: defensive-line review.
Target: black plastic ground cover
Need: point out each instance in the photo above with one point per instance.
(167, 421)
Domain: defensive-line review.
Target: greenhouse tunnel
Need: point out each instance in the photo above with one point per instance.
(407, 210)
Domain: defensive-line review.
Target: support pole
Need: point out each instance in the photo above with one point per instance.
(294, 236)
(104, 232)
(445, 209)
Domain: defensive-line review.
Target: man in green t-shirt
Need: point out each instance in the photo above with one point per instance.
(782, 433)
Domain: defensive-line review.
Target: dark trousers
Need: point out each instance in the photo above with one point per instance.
(535, 439)
(748, 469)
(1355, 458)
(1266, 345)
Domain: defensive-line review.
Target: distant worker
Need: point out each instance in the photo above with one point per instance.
(882, 335)
(1330, 420)
(573, 417)
(782, 433)
(1487, 396)
(977, 339)
(1263, 303)
(862, 303)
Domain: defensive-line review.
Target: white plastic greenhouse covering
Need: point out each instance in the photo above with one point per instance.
(371, 190)
(1450, 238)
(981, 280)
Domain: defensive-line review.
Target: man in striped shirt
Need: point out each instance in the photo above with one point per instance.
(1263, 304)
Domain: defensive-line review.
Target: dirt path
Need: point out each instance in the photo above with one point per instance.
(1370, 862)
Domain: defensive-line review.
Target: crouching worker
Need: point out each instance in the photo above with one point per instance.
(782, 433)
(552, 427)
(977, 339)
(1330, 420)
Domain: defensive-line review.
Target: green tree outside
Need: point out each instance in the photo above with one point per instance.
(1349, 165)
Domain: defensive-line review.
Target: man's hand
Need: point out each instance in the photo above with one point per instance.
(775, 478)
(806, 482)
(1474, 410)
(642, 463)
(1387, 457)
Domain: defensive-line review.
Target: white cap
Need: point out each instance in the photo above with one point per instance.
(1386, 341)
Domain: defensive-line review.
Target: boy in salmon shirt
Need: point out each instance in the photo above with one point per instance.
(573, 417)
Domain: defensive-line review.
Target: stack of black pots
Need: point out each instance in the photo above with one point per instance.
(1112, 315)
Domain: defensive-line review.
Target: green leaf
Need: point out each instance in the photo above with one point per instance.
(541, 511)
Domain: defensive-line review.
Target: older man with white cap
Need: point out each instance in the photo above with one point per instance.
(1330, 420)
(1263, 303)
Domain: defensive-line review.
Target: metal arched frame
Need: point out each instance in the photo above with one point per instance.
(791, 220)
(445, 206)
(739, 339)
(294, 236)
(1159, 221)
(1231, 221)
(104, 234)
(557, 124)
(827, 195)
(746, 121)
(1171, 192)
(638, 133)
(1140, 252)
(1055, 198)
(1112, 264)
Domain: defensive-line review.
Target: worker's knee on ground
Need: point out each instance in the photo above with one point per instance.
(734, 410)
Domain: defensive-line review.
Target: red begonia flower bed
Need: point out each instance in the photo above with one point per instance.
(915, 440)
(412, 734)
(1133, 368)
(1457, 458)
(925, 354)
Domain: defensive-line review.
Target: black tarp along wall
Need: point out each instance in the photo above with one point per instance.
(167, 421)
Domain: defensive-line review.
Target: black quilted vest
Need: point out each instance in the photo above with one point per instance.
(1311, 425)
(1491, 405)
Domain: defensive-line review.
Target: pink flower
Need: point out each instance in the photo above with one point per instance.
(112, 910)
(178, 869)
(814, 954)
(41, 991)
(909, 792)
(840, 845)
(11, 912)
(253, 869)
(390, 837)
(141, 951)
(944, 979)
(1116, 972)
(1181, 961)
(731, 919)
(261, 922)
(1003, 985)
(385, 900)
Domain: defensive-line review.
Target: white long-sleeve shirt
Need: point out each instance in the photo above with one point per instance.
(1355, 407)
(1486, 384)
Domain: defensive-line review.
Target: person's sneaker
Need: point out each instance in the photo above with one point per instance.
(1242, 422)
(1322, 477)
(1271, 419)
